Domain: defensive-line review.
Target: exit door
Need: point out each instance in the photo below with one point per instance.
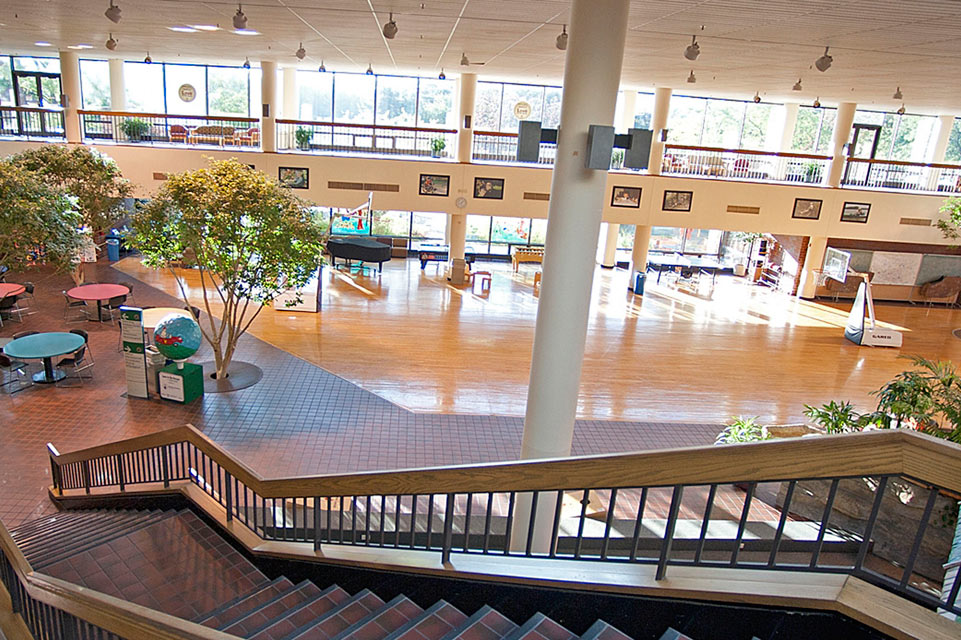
(864, 144)
(38, 90)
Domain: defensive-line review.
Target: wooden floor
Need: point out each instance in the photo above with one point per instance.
(412, 338)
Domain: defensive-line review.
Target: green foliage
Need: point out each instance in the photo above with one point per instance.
(303, 135)
(928, 398)
(252, 239)
(742, 430)
(949, 227)
(835, 417)
(89, 176)
(135, 128)
(38, 223)
(437, 145)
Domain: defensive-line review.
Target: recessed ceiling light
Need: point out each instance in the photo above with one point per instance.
(390, 28)
(112, 12)
(561, 42)
(693, 50)
(206, 27)
(80, 46)
(180, 29)
(246, 32)
(240, 19)
(824, 62)
(42, 44)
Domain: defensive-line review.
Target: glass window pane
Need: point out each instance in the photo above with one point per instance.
(315, 93)
(757, 118)
(436, 107)
(6, 82)
(391, 223)
(868, 117)
(953, 153)
(643, 110)
(666, 239)
(322, 216)
(514, 93)
(702, 241)
(478, 233)
(806, 129)
(625, 236)
(538, 231)
(722, 124)
(511, 230)
(826, 131)
(256, 108)
(50, 89)
(552, 108)
(227, 91)
(95, 84)
(47, 65)
(180, 76)
(396, 101)
(343, 222)
(143, 85)
(686, 120)
(354, 98)
(428, 228)
(487, 106)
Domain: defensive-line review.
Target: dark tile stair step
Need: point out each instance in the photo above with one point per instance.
(436, 622)
(382, 622)
(486, 624)
(540, 627)
(305, 613)
(264, 615)
(274, 587)
(674, 634)
(600, 630)
(63, 526)
(353, 610)
(54, 520)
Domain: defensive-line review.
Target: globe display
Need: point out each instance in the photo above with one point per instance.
(177, 337)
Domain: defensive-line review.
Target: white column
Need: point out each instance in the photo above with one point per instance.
(662, 106)
(812, 262)
(944, 136)
(289, 110)
(268, 90)
(458, 235)
(610, 245)
(842, 133)
(642, 241)
(626, 106)
(790, 122)
(467, 90)
(118, 88)
(447, 226)
(70, 80)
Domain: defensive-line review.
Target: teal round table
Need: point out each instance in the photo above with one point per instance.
(44, 346)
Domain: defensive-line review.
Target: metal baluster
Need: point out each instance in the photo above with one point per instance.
(353, 520)
(367, 525)
(470, 503)
(397, 522)
(916, 547)
(430, 518)
(585, 500)
(120, 478)
(304, 517)
(316, 523)
(557, 523)
(641, 504)
(705, 523)
(229, 498)
(742, 525)
(86, 475)
(413, 519)
(824, 523)
(383, 512)
(669, 533)
(785, 509)
(510, 523)
(448, 529)
(487, 522)
(609, 521)
(340, 526)
(330, 531)
(55, 476)
(530, 523)
(872, 520)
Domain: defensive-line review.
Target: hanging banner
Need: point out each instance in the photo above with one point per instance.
(134, 353)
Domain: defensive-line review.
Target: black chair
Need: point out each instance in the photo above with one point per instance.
(29, 288)
(23, 334)
(9, 306)
(17, 369)
(78, 361)
(3, 272)
(194, 311)
(73, 303)
(113, 304)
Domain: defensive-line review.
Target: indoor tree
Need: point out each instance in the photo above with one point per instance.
(249, 238)
(950, 226)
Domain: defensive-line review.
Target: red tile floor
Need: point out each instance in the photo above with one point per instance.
(299, 419)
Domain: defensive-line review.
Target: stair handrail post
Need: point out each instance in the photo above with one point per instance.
(317, 524)
(54, 469)
(669, 532)
(228, 496)
(448, 529)
(118, 460)
(165, 465)
(86, 475)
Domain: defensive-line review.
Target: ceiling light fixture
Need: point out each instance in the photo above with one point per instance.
(824, 62)
(691, 77)
(181, 29)
(240, 20)
(80, 46)
(817, 103)
(693, 50)
(442, 76)
(390, 28)
(322, 68)
(42, 43)
(301, 53)
(246, 62)
(561, 42)
(148, 59)
(111, 44)
(463, 60)
(369, 71)
(206, 27)
(757, 98)
(901, 110)
(797, 85)
(113, 13)
(897, 94)
(246, 32)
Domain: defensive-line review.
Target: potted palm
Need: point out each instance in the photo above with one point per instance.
(437, 145)
(135, 129)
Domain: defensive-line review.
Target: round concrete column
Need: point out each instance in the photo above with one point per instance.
(642, 240)
(118, 87)
(610, 245)
(842, 132)
(268, 90)
(467, 90)
(70, 79)
(812, 262)
(662, 106)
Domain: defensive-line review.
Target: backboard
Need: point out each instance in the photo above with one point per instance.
(836, 264)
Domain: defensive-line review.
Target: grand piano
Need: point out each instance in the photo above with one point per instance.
(360, 248)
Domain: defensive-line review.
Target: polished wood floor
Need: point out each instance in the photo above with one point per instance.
(412, 338)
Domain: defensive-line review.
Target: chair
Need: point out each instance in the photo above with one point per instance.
(114, 304)
(10, 306)
(24, 334)
(178, 133)
(3, 272)
(194, 311)
(29, 288)
(73, 303)
(17, 369)
(78, 362)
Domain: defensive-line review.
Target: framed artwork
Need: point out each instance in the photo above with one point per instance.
(677, 200)
(855, 212)
(807, 209)
(431, 185)
(489, 188)
(293, 177)
(628, 197)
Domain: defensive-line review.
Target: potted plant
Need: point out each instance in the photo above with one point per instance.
(740, 269)
(811, 172)
(742, 430)
(303, 135)
(135, 128)
(437, 145)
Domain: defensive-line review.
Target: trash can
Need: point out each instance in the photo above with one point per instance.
(113, 249)
(155, 362)
(639, 279)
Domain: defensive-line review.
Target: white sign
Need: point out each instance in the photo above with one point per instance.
(522, 110)
(187, 92)
(134, 358)
(171, 386)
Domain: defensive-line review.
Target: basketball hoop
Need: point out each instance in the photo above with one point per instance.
(820, 278)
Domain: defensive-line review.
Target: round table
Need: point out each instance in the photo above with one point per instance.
(45, 346)
(98, 293)
(8, 289)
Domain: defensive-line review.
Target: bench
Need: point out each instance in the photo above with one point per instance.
(526, 254)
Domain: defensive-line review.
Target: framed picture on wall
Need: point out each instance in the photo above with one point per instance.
(855, 212)
(293, 177)
(677, 200)
(489, 188)
(433, 185)
(807, 209)
(628, 197)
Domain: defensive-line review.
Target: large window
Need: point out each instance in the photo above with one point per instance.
(396, 101)
(6, 82)
(46, 65)
(144, 87)
(391, 223)
(731, 124)
(435, 103)
(186, 89)
(217, 91)
(95, 84)
(643, 110)
(673, 239)
(903, 136)
(228, 91)
(354, 98)
(427, 228)
(813, 130)
(953, 153)
(316, 95)
(495, 102)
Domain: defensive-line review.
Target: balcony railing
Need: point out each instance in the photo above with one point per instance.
(744, 164)
(331, 137)
(29, 122)
(497, 146)
(168, 129)
(896, 175)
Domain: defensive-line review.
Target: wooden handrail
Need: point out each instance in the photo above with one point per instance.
(117, 616)
(905, 163)
(496, 134)
(311, 123)
(880, 452)
(169, 116)
(749, 152)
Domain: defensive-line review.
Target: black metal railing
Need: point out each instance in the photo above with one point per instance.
(304, 136)
(29, 122)
(165, 129)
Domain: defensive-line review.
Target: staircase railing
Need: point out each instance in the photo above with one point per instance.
(783, 505)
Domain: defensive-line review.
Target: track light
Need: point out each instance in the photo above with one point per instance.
(148, 59)
(693, 50)
(301, 53)
(240, 20)
(442, 75)
(901, 110)
(897, 94)
(390, 28)
(757, 98)
(691, 77)
(824, 62)
(322, 68)
(817, 103)
(369, 71)
(113, 13)
(246, 62)
(463, 60)
(797, 85)
(561, 42)
(111, 44)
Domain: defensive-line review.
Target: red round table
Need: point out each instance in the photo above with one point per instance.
(98, 293)
(8, 289)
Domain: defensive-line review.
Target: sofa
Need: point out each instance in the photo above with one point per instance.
(211, 134)
(944, 289)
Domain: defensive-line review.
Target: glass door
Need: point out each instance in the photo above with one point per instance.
(36, 90)
(864, 144)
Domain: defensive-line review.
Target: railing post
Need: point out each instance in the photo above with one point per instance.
(448, 529)
(119, 462)
(228, 496)
(317, 524)
(669, 532)
(165, 466)
(86, 475)
(55, 476)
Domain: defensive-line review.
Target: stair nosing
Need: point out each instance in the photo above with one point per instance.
(70, 525)
(226, 605)
(82, 527)
(294, 609)
(480, 613)
(529, 625)
(297, 587)
(345, 634)
(313, 623)
(429, 611)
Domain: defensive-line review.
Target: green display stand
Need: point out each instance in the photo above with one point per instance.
(182, 385)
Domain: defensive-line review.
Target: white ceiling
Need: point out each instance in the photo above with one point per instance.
(746, 45)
